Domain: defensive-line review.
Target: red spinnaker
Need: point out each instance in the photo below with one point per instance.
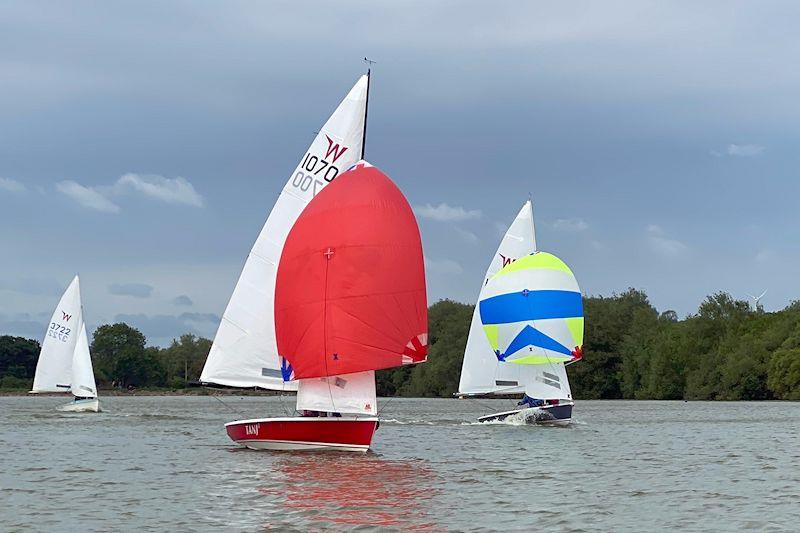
(350, 292)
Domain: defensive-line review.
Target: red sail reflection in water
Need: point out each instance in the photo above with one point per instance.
(328, 490)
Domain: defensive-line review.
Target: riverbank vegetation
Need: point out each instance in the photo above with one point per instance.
(725, 351)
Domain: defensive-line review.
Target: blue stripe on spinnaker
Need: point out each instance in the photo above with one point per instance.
(530, 305)
(533, 337)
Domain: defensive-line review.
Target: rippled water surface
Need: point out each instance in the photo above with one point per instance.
(165, 463)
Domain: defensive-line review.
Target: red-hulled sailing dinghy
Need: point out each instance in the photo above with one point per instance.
(349, 299)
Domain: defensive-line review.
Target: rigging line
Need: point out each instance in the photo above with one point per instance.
(228, 406)
(383, 409)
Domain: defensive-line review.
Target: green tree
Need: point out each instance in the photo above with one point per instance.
(184, 359)
(18, 357)
(121, 357)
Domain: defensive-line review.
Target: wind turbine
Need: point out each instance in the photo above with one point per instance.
(756, 299)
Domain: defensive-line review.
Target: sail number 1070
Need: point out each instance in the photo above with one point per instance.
(313, 170)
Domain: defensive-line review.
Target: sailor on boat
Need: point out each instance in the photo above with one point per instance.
(531, 402)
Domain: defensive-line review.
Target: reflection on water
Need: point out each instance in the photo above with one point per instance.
(337, 489)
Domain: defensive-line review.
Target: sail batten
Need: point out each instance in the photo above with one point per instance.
(244, 352)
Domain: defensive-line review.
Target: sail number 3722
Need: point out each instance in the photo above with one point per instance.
(58, 332)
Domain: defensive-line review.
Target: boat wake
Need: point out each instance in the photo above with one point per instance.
(410, 422)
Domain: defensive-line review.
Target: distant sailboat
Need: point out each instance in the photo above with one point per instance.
(350, 299)
(65, 364)
(527, 325)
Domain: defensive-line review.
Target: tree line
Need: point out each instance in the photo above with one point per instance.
(725, 351)
(120, 356)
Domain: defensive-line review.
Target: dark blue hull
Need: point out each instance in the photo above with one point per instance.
(546, 415)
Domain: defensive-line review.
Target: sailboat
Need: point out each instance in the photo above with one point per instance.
(350, 299)
(65, 364)
(244, 353)
(522, 335)
(245, 350)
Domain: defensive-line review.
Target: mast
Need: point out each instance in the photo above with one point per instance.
(366, 112)
(533, 225)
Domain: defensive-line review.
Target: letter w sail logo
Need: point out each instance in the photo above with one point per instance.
(66, 317)
(335, 149)
(506, 260)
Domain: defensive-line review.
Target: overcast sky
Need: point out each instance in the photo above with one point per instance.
(143, 144)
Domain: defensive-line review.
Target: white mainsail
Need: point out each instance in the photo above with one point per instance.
(244, 352)
(83, 384)
(54, 368)
(481, 372)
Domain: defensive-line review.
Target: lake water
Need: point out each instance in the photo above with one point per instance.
(165, 463)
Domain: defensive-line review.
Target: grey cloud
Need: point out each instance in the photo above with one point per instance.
(447, 213)
(662, 244)
(745, 150)
(443, 266)
(32, 286)
(169, 190)
(570, 224)
(137, 290)
(161, 329)
(22, 325)
(87, 197)
(9, 185)
(182, 300)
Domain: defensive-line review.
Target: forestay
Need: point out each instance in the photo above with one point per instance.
(54, 368)
(244, 352)
(481, 372)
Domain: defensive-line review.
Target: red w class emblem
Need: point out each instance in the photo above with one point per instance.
(66, 317)
(335, 149)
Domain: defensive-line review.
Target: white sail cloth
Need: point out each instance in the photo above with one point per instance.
(549, 381)
(481, 372)
(64, 361)
(54, 368)
(348, 393)
(244, 352)
(83, 384)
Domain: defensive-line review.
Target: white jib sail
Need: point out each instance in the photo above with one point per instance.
(83, 384)
(481, 372)
(548, 381)
(54, 368)
(348, 393)
(244, 352)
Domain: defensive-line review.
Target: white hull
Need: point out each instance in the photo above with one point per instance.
(284, 445)
(81, 406)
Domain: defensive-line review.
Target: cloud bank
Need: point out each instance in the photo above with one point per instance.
(167, 190)
(137, 290)
(447, 213)
(87, 197)
(7, 184)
